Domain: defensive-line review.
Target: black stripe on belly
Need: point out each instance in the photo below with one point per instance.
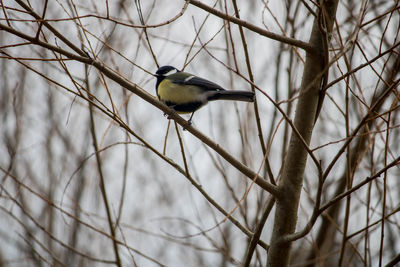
(187, 107)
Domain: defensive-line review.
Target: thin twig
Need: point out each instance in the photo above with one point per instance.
(254, 28)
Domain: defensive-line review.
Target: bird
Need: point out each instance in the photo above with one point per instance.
(185, 93)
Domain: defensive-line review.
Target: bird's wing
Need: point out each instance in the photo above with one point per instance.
(197, 81)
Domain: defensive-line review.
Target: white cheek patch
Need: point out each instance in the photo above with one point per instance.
(189, 78)
(170, 72)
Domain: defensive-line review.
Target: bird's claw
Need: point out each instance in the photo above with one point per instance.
(189, 123)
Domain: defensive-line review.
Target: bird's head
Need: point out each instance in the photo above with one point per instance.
(164, 71)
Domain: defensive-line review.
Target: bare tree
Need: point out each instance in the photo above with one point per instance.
(93, 173)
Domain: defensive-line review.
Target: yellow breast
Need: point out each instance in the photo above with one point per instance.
(179, 94)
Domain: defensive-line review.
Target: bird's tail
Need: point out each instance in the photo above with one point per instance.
(247, 96)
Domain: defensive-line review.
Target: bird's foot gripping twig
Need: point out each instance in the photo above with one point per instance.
(189, 122)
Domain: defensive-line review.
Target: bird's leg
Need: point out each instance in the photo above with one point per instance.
(189, 121)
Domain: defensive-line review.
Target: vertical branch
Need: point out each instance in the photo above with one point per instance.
(182, 149)
(99, 168)
(251, 78)
(139, 10)
(257, 233)
(384, 191)
(292, 176)
(40, 22)
(348, 179)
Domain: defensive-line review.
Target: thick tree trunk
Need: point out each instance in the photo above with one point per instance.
(293, 171)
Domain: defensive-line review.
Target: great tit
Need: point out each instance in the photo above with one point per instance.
(186, 93)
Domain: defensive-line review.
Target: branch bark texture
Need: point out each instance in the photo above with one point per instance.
(292, 176)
